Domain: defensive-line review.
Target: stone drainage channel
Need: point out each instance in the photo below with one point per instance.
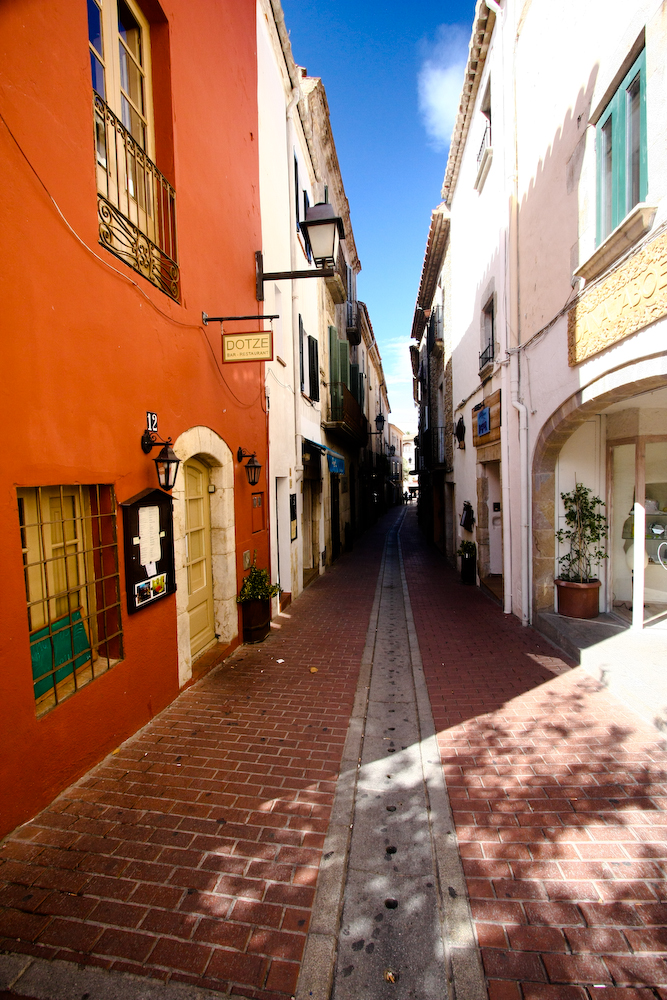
(391, 918)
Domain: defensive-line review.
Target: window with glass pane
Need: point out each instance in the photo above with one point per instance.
(70, 565)
(621, 151)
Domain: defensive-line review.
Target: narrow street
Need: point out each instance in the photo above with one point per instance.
(285, 827)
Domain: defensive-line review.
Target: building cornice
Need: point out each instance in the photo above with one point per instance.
(477, 52)
(436, 245)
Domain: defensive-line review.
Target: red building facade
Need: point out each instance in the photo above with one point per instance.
(128, 145)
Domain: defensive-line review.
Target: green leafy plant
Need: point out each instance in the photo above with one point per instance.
(585, 532)
(257, 586)
(467, 549)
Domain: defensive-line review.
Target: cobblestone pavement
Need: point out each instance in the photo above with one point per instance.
(559, 796)
(191, 853)
(187, 861)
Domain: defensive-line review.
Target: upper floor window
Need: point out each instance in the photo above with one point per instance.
(136, 203)
(119, 38)
(488, 334)
(621, 151)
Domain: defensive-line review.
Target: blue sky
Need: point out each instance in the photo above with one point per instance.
(393, 73)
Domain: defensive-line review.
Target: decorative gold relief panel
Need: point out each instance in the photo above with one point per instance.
(632, 297)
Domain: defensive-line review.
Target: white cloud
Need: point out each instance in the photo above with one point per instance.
(440, 81)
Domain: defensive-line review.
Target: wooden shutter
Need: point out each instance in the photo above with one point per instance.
(334, 365)
(313, 369)
(354, 381)
(344, 362)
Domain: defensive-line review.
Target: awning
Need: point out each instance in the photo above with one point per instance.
(335, 461)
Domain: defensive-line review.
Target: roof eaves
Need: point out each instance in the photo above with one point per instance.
(477, 52)
(436, 245)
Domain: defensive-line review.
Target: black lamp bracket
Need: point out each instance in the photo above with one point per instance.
(241, 454)
(150, 440)
(261, 275)
(206, 319)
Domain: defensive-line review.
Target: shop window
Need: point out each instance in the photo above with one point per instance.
(70, 565)
(622, 175)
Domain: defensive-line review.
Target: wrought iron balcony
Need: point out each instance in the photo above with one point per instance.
(353, 323)
(136, 204)
(486, 142)
(345, 415)
(487, 356)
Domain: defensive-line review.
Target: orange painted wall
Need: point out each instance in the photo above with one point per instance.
(87, 345)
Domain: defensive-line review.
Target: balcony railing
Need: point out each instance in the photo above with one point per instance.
(353, 323)
(486, 142)
(136, 204)
(345, 413)
(486, 357)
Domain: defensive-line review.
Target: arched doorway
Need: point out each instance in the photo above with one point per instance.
(204, 545)
(622, 401)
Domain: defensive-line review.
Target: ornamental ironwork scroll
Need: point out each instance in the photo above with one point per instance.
(136, 204)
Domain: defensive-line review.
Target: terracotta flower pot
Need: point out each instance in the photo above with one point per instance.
(256, 620)
(578, 600)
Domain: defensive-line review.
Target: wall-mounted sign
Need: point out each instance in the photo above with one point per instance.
(149, 548)
(483, 421)
(486, 419)
(253, 346)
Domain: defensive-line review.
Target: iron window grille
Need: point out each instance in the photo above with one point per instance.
(70, 566)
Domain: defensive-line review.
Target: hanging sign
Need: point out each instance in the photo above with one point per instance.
(254, 345)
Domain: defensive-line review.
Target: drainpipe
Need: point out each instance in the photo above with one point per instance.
(524, 487)
(514, 352)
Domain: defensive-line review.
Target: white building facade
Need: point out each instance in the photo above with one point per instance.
(547, 263)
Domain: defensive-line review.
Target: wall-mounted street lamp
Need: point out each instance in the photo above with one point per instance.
(252, 466)
(166, 463)
(379, 423)
(323, 230)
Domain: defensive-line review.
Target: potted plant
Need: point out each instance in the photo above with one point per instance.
(255, 600)
(585, 532)
(468, 552)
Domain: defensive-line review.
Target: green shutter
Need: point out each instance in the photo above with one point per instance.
(334, 365)
(615, 120)
(344, 361)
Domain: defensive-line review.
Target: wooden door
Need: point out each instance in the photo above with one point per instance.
(198, 556)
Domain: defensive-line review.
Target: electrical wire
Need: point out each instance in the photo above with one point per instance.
(126, 277)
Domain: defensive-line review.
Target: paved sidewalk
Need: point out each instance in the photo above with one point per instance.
(187, 861)
(191, 854)
(559, 796)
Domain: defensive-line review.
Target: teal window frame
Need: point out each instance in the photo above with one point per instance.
(615, 197)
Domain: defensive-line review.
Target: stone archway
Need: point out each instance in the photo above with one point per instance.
(209, 448)
(620, 384)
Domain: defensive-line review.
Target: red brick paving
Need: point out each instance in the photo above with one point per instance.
(559, 796)
(192, 853)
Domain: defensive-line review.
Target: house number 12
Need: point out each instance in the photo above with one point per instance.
(151, 422)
